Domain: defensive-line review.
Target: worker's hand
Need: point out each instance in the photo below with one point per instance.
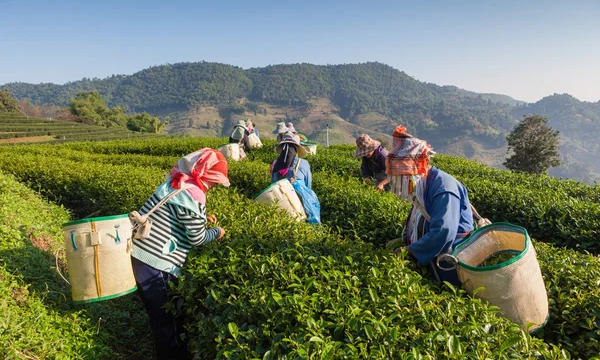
(380, 186)
(221, 233)
(211, 218)
(399, 250)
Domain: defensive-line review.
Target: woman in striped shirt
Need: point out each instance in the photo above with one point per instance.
(176, 227)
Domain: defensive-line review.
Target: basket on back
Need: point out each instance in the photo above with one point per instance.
(514, 282)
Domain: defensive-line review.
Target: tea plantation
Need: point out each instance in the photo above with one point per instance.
(274, 288)
(18, 128)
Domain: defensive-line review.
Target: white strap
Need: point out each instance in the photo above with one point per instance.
(167, 198)
(293, 179)
(422, 209)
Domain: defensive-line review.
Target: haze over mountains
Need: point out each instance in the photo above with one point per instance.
(206, 98)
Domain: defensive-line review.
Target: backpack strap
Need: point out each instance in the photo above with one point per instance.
(481, 221)
(141, 219)
(293, 179)
(421, 208)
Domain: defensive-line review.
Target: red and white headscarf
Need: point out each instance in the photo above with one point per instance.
(198, 168)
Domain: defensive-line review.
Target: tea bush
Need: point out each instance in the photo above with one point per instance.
(351, 312)
(38, 319)
(284, 289)
(573, 284)
(348, 207)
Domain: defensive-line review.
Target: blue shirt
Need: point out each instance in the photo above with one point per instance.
(304, 174)
(447, 202)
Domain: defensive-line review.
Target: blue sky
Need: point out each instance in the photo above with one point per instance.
(525, 49)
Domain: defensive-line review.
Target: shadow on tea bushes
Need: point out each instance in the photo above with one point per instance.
(39, 321)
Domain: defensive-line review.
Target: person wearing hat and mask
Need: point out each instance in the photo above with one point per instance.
(280, 129)
(441, 216)
(239, 135)
(289, 159)
(177, 212)
(373, 156)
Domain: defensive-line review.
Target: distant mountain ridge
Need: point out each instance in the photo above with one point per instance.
(352, 98)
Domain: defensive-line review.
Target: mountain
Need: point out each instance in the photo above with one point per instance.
(206, 98)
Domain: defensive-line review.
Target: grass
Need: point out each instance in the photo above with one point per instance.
(39, 320)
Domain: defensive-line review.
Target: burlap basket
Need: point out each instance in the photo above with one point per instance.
(254, 141)
(514, 285)
(98, 252)
(282, 194)
(232, 151)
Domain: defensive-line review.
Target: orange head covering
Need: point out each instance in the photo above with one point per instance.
(197, 169)
(409, 155)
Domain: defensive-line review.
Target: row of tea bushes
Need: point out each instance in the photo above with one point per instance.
(38, 319)
(359, 212)
(274, 287)
(548, 214)
(284, 289)
(71, 183)
(562, 187)
(158, 146)
(469, 168)
(340, 200)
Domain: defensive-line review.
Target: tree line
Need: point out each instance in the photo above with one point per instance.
(87, 107)
(354, 88)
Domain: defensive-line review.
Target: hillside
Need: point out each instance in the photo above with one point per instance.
(17, 128)
(207, 98)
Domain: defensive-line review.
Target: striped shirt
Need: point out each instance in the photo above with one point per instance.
(175, 230)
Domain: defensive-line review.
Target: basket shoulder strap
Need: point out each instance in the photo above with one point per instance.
(475, 213)
(421, 208)
(167, 198)
(293, 179)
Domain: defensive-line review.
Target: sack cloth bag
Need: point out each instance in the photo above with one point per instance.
(515, 285)
(310, 201)
(254, 141)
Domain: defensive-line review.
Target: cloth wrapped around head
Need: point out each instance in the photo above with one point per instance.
(407, 165)
(409, 155)
(364, 145)
(196, 170)
(290, 127)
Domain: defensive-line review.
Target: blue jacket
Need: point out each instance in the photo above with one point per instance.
(304, 174)
(447, 202)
